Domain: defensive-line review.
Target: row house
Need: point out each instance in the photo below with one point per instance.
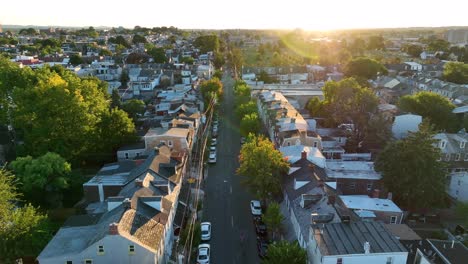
(132, 225)
(454, 152)
(143, 79)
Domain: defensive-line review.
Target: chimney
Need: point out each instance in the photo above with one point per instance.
(293, 120)
(156, 150)
(139, 182)
(390, 196)
(366, 248)
(113, 229)
(303, 155)
(376, 193)
(127, 203)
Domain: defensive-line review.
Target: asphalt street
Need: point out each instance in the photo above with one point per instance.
(226, 204)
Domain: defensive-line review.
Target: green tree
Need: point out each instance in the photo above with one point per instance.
(347, 102)
(218, 61)
(285, 252)
(365, 68)
(120, 40)
(187, 60)
(158, 54)
(43, 179)
(438, 45)
(207, 43)
(432, 106)
(265, 180)
(315, 107)
(376, 43)
(357, 47)
(236, 60)
(218, 74)
(456, 72)
(137, 38)
(246, 109)
(124, 78)
(210, 88)
(273, 218)
(22, 231)
(462, 212)
(378, 132)
(76, 59)
(105, 52)
(412, 171)
(250, 123)
(115, 99)
(413, 50)
(134, 108)
(113, 130)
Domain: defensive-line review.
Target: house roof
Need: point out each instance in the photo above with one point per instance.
(293, 154)
(456, 254)
(364, 202)
(177, 132)
(349, 238)
(352, 170)
(402, 232)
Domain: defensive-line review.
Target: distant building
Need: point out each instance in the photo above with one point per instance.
(457, 36)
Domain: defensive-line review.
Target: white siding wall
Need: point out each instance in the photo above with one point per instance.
(115, 251)
(458, 186)
(377, 258)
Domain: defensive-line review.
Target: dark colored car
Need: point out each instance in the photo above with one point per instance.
(262, 246)
(260, 227)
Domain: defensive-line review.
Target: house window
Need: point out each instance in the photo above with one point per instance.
(459, 182)
(389, 260)
(138, 154)
(339, 261)
(352, 186)
(169, 143)
(447, 157)
(126, 155)
(315, 144)
(339, 140)
(131, 250)
(393, 219)
(466, 157)
(100, 250)
(462, 144)
(443, 143)
(457, 157)
(162, 142)
(456, 192)
(88, 261)
(288, 144)
(369, 187)
(69, 262)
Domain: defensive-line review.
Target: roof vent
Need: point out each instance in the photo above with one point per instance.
(366, 248)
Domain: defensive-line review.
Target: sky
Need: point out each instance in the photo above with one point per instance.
(248, 14)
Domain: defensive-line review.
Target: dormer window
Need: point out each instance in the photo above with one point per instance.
(462, 144)
(457, 157)
(443, 143)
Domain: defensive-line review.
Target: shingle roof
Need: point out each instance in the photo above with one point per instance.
(349, 238)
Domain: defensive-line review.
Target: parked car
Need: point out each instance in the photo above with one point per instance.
(212, 157)
(212, 148)
(262, 246)
(260, 227)
(255, 207)
(205, 231)
(203, 254)
(214, 142)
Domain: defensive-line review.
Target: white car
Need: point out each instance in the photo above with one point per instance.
(214, 142)
(215, 128)
(203, 254)
(212, 157)
(205, 231)
(212, 148)
(255, 207)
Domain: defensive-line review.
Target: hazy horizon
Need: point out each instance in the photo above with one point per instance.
(242, 14)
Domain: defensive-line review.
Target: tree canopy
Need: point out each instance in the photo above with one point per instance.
(250, 123)
(210, 88)
(285, 252)
(207, 43)
(273, 218)
(456, 72)
(22, 230)
(134, 108)
(57, 111)
(43, 179)
(412, 170)
(265, 180)
(158, 54)
(432, 106)
(347, 102)
(137, 38)
(365, 68)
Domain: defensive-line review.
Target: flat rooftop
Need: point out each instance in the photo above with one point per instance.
(364, 202)
(352, 170)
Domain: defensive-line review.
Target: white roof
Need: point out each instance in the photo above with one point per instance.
(352, 170)
(364, 202)
(461, 109)
(331, 185)
(293, 153)
(365, 213)
(405, 123)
